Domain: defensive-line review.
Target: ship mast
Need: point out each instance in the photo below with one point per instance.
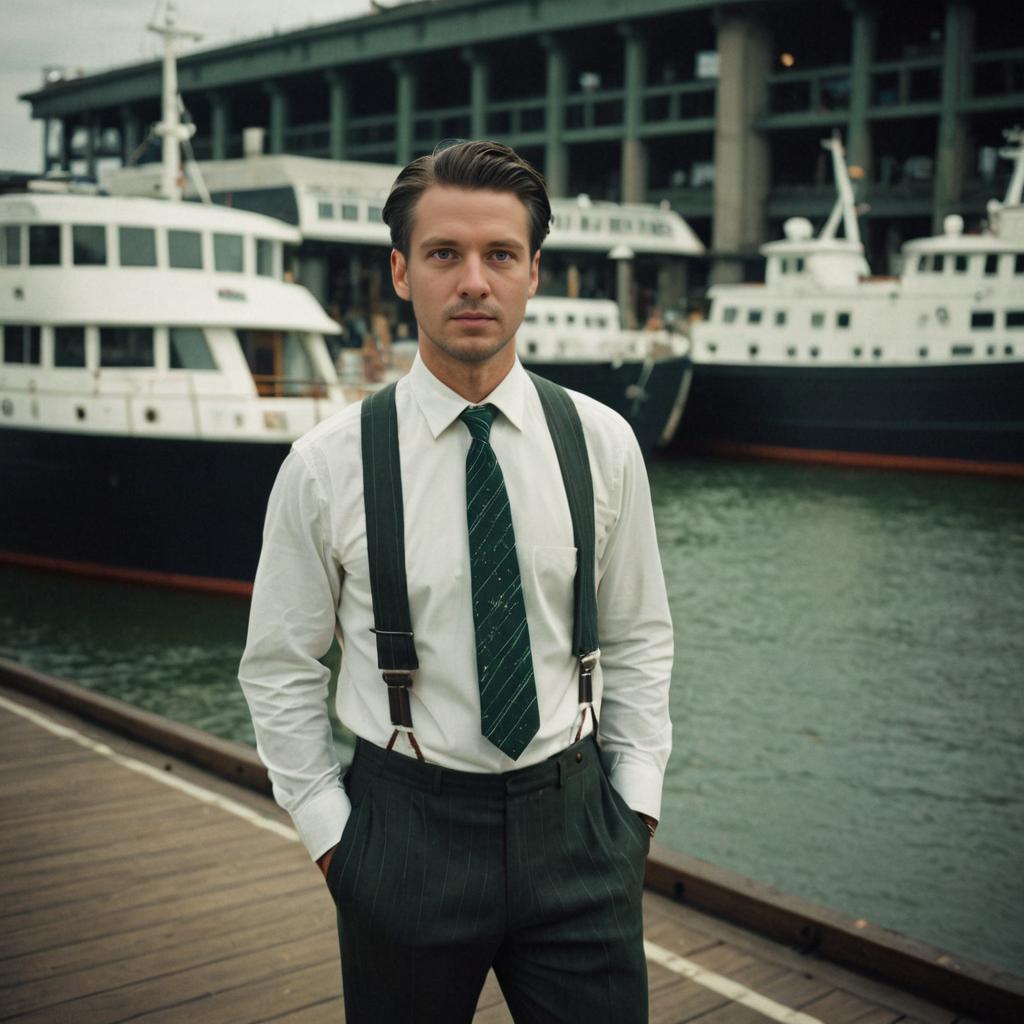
(1015, 152)
(170, 128)
(844, 206)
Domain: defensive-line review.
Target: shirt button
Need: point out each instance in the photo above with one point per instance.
(579, 756)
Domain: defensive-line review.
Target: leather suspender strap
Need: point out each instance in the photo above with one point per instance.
(385, 545)
(571, 448)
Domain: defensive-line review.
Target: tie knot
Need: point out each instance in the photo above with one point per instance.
(478, 420)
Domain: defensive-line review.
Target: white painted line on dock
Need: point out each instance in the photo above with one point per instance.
(725, 986)
(207, 796)
(658, 954)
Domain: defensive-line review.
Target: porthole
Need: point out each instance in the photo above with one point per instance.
(923, 351)
(79, 412)
(151, 415)
(8, 407)
(877, 353)
(942, 314)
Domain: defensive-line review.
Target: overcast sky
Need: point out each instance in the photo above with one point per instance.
(98, 34)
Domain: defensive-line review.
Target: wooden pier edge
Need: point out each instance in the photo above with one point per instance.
(964, 985)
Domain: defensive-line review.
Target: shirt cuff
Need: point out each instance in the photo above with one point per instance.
(638, 784)
(321, 821)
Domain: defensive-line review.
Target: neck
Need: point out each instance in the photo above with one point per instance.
(472, 381)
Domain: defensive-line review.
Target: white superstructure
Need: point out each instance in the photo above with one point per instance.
(960, 298)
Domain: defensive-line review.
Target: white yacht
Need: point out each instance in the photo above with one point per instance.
(824, 361)
(155, 367)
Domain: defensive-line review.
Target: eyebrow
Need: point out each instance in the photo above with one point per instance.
(448, 243)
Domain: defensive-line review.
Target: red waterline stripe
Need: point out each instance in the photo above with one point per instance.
(145, 577)
(918, 463)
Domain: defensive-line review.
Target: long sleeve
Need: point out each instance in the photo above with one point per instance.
(635, 631)
(291, 625)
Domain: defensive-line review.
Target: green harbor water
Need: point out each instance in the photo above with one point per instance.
(847, 696)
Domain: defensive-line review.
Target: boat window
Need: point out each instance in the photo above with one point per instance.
(799, 266)
(552, 319)
(1018, 263)
(349, 211)
(530, 318)
(227, 253)
(1007, 350)
(137, 247)
(991, 264)
(44, 245)
(10, 246)
(960, 263)
(264, 257)
(1015, 318)
(923, 351)
(922, 264)
(374, 213)
(983, 319)
(570, 319)
(961, 350)
(817, 319)
(89, 245)
(990, 350)
(21, 344)
(877, 353)
(784, 265)
(815, 351)
(126, 346)
(753, 350)
(858, 351)
(184, 249)
(780, 318)
(791, 351)
(69, 346)
(938, 262)
(190, 350)
(729, 314)
(325, 211)
(753, 316)
(843, 319)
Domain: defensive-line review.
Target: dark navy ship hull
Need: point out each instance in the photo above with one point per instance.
(190, 513)
(163, 511)
(959, 418)
(649, 396)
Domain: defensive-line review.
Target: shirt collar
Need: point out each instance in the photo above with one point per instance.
(441, 406)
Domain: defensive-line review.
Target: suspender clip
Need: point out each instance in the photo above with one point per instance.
(588, 662)
(398, 682)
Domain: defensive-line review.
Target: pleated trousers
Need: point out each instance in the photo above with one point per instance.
(441, 875)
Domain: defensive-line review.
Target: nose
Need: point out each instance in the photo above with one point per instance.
(473, 280)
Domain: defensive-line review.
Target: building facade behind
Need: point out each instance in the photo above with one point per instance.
(715, 108)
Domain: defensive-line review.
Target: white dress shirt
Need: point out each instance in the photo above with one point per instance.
(313, 580)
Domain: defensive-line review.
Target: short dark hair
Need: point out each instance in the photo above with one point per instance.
(479, 164)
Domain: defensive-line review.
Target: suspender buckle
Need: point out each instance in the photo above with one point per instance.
(588, 662)
(398, 682)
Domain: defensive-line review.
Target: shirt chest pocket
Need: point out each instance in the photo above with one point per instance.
(553, 571)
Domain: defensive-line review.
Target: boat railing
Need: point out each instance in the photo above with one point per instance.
(270, 386)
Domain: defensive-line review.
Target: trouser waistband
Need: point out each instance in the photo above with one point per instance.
(581, 756)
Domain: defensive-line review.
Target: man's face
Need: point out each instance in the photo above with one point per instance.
(468, 275)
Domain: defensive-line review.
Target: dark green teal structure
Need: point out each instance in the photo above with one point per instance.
(716, 107)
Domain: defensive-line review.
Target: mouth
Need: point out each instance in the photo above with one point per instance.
(473, 319)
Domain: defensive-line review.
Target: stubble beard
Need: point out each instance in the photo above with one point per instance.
(463, 349)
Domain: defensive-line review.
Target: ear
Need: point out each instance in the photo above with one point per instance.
(400, 275)
(534, 274)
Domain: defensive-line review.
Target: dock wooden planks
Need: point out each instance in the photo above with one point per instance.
(124, 899)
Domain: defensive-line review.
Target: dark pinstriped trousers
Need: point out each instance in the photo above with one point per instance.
(441, 875)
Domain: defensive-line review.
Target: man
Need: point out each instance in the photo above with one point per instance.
(481, 832)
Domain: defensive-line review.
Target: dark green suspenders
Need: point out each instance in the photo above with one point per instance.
(385, 542)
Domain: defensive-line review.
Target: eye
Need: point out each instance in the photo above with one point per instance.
(501, 256)
(443, 255)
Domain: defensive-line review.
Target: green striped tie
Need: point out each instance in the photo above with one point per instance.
(508, 694)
